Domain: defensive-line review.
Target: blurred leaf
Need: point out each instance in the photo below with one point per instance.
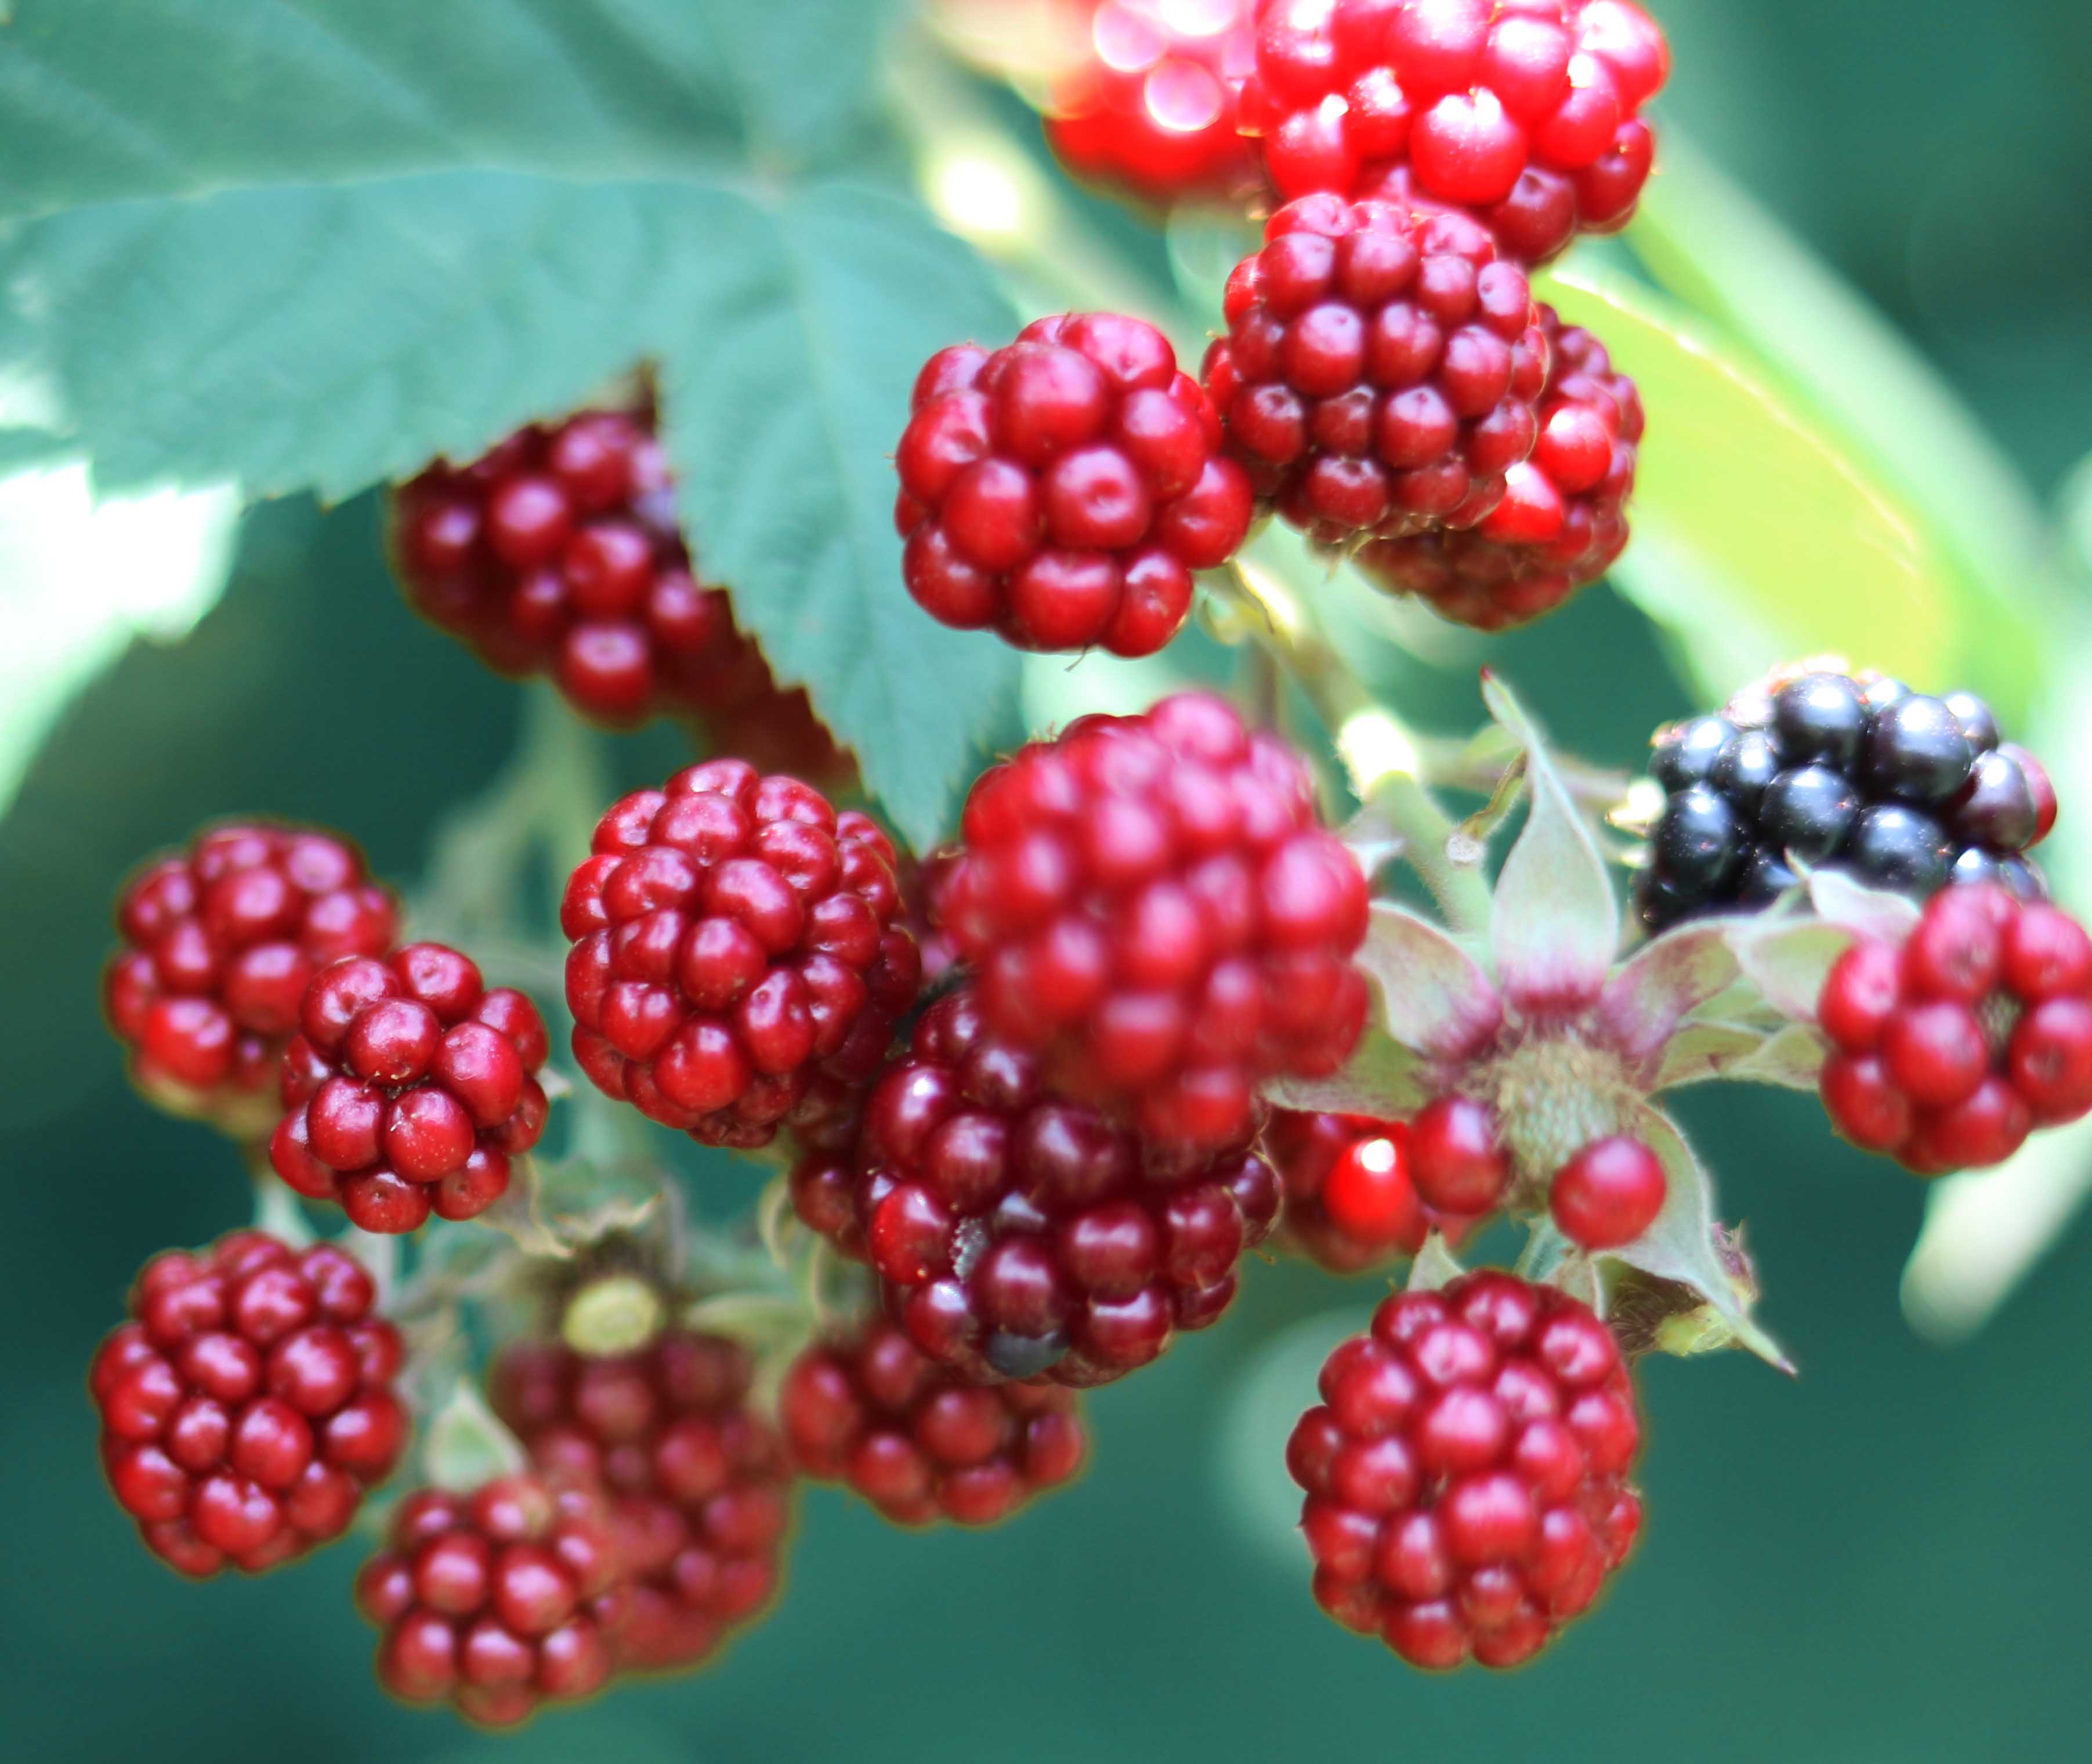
(1435, 997)
(1788, 960)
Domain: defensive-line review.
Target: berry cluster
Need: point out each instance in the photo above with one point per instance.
(699, 1493)
(409, 1088)
(1153, 903)
(218, 943)
(559, 552)
(733, 937)
(1355, 1186)
(1467, 1471)
(1819, 767)
(1063, 490)
(1019, 1234)
(247, 1404)
(867, 1409)
(1951, 1047)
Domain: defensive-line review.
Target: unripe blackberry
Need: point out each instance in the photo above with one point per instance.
(559, 553)
(1149, 108)
(1562, 520)
(1524, 114)
(1382, 372)
(866, 1409)
(1018, 1234)
(1153, 903)
(1352, 1199)
(1468, 1471)
(1853, 771)
(496, 1601)
(409, 1089)
(699, 1491)
(218, 943)
(247, 1404)
(734, 938)
(1951, 1048)
(1062, 491)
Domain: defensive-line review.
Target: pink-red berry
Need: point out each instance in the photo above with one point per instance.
(1468, 1471)
(218, 943)
(734, 938)
(247, 1404)
(698, 1489)
(1608, 1193)
(1456, 1158)
(1153, 903)
(496, 1601)
(409, 1088)
(1352, 1198)
(1061, 491)
(866, 1409)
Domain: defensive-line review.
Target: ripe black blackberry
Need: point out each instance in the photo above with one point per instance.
(1815, 766)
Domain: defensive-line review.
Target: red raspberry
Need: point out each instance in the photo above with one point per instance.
(1562, 520)
(409, 1089)
(867, 1409)
(1467, 1471)
(700, 1493)
(1951, 1049)
(733, 937)
(1382, 371)
(1523, 113)
(1152, 901)
(1063, 490)
(1608, 1193)
(496, 1601)
(248, 1404)
(1021, 1235)
(218, 943)
(559, 553)
(1149, 107)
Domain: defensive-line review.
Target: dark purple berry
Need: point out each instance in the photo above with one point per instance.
(1915, 751)
(1819, 716)
(1896, 847)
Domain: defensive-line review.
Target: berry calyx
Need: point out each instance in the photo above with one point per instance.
(409, 1088)
(247, 1404)
(1467, 1472)
(1153, 904)
(1608, 1193)
(867, 1410)
(1063, 491)
(699, 1490)
(218, 943)
(735, 938)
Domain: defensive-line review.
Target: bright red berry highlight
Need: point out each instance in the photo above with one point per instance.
(1352, 1199)
(1468, 1471)
(1063, 491)
(247, 1404)
(1608, 1193)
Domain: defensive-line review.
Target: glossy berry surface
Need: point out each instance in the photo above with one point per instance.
(1380, 372)
(497, 1601)
(1468, 1471)
(1905, 791)
(1352, 1197)
(559, 553)
(1153, 903)
(699, 1490)
(1562, 520)
(1523, 113)
(1608, 1193)
(1951, 1049)
(1018, 1234)
(1061, 491)
(218, 943)
(247, 1404)
(734, 937)
(409, 1088)
(867, 1410)
(1147, 108)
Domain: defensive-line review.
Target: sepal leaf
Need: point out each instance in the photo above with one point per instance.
(1435, 998)
(1381, 1080)
(1665, 982)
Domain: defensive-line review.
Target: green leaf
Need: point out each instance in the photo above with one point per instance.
(1435, 999)
(1788, 960)
(1665, 982)
(466, 1444)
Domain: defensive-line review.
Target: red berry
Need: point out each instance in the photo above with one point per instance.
(1467, 1471)
(1063, 490)
(1352, 1198)
(1460, 1166)
(1562, 520)
(699, 1491)
(1153, 904)
(248, 1404)
(1608, 1193)
(867, 1409)
(218, 943)
(734, 939)
(497, 1601)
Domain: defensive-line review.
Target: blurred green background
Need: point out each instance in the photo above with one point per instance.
(1886, 1560)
